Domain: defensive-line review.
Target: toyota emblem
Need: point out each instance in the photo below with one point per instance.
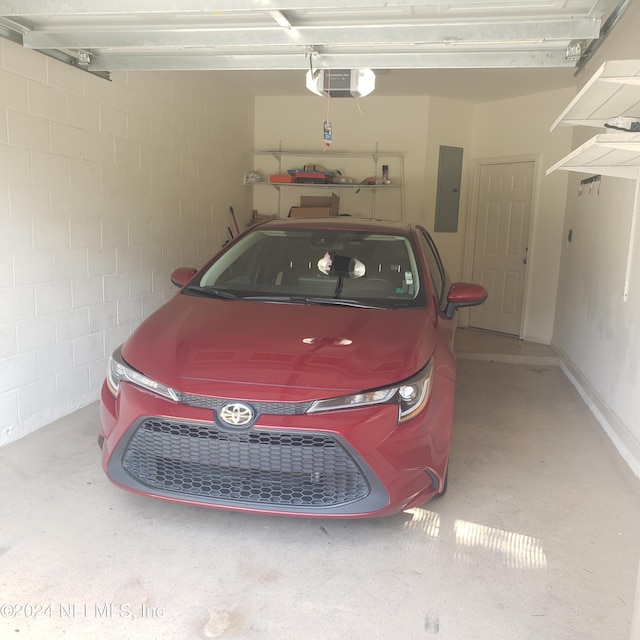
(236, 414)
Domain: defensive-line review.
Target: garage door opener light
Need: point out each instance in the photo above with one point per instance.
(341, 83)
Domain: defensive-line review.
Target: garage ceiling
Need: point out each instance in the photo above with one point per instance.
(270, 42)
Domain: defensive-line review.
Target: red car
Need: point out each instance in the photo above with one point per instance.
(307, 370)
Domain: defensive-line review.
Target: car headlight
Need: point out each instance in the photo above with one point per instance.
(119, 371)
(411, 396)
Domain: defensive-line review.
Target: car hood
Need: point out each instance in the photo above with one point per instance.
(282, 351)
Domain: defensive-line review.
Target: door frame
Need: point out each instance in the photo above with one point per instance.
(472, 219)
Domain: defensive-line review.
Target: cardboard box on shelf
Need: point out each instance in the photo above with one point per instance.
(261, 217)
(332, 201)
(310, 212)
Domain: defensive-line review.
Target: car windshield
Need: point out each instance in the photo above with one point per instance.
(320, 266)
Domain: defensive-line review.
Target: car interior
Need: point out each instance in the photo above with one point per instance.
(388, 268)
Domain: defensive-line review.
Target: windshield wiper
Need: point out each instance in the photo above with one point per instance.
(267, 298)
(337, 302)
(344, 302)
(211, 292)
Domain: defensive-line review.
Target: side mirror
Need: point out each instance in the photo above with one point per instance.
(181, 276)
(464, 294)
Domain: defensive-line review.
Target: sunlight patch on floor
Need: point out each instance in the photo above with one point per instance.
(518, 551)
(425, 521)
(515, 550)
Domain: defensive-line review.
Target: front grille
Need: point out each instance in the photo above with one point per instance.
(261, 408)
(276, 468)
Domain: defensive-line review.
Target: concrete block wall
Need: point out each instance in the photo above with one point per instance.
(105, 188)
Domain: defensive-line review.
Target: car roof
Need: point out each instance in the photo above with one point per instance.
(347, 223)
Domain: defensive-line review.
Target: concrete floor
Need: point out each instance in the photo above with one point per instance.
(537, 537)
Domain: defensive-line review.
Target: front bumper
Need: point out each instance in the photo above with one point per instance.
(349, 463)
(271, 470)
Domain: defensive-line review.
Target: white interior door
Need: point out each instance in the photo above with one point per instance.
(501, 243)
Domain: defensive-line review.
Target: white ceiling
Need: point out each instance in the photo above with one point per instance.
(473, 50)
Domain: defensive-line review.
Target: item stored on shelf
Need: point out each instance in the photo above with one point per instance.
(252, 177)
(310, 212)
(332, 201)
(261, 217)
(281, 178)
(316, 207)
(312, 177)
